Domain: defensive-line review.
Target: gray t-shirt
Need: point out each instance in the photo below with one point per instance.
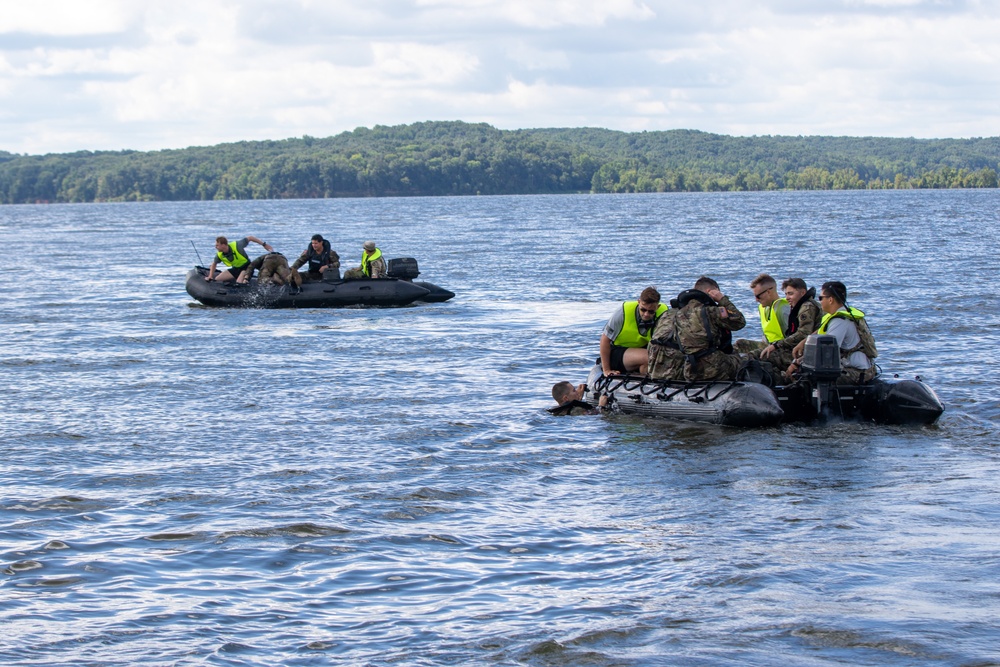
(847, 336)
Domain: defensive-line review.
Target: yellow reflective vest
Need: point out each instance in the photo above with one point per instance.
(769, 321)
(629, 336)
(366, 261)
(851, 313)
(237, 261)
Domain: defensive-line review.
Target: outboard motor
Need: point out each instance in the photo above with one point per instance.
(821, 366)
(404, 268)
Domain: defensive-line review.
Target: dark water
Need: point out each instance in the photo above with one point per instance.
(182, 485)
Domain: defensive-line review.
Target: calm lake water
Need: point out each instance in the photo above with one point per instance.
(184, 485)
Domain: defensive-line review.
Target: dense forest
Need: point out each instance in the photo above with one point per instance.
(456, 158)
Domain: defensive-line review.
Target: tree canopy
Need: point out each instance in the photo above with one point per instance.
(457, 158)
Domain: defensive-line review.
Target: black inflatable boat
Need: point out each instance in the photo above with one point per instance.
(399, 289)
(745, 404)
(814, 397)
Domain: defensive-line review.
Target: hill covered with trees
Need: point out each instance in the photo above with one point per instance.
(456, 158)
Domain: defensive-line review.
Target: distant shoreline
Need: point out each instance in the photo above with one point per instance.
(456, 158)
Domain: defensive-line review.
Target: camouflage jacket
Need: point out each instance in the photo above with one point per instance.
(808, 318)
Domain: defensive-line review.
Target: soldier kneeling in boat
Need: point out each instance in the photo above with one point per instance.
(273, 268)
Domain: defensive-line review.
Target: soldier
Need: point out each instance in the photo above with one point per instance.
(803, 319)
(848, 325)
(773, 312)
(625, 336)
(694, 340)
(273, 268)
(234, 255)
(372, 263)
(324, 262)
(570, 400)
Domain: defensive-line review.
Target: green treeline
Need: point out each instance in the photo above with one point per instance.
(456, 158)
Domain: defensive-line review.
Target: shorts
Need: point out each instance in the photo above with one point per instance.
(618, 358)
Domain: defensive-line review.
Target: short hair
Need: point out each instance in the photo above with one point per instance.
(560, 390)
(222, 239)
(836, 289)
(705, 283)
(797, 283)
(763, 279)
(317, 237)
(649, 295)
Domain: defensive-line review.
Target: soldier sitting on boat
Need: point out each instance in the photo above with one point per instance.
(323, 261)
(693, 341)
(372, 263)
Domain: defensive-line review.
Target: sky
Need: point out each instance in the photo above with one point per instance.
(152, 74)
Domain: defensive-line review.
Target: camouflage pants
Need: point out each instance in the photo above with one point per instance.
(856, 375)
(300, 277)
(716, 366)
(749, 346)
(276, 266)
(665, 363)
(354, 274)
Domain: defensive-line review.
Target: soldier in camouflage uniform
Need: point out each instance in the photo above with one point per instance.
(273, 267)
(803, 319)
(693, 340)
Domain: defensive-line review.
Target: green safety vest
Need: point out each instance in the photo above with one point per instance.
(629, 335)
(237, 261)
(769, 321)
(366, 261)
(852, 314)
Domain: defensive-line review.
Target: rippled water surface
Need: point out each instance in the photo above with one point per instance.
(185, 485)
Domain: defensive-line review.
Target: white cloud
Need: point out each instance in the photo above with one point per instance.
(59, 17)
(155, 75)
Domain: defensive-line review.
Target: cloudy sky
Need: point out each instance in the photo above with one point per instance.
(149, 74)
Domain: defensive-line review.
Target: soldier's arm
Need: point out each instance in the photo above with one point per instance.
(808, 323)
(734, 321)
(300, 261)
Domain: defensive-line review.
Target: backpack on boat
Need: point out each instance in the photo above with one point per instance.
(754, 370)
(867, 339)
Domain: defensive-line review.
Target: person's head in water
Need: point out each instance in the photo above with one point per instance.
(564, 392)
